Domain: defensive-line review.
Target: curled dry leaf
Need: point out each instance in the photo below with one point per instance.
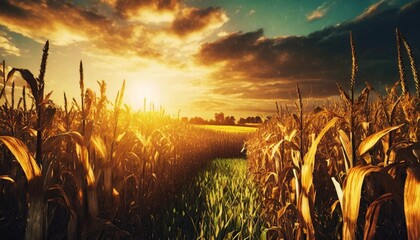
(371, 140)
(23, 156)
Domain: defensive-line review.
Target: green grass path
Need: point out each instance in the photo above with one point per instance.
(220, 203)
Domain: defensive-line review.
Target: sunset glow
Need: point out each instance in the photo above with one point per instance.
(208, 56)
(209, 119)
(139, 92)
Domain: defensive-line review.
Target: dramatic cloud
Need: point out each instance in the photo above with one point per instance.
(120, 27)
(255, 67)
(147, 11)
(61, 22)
(318, 13)
(193, 20)
(129, 8)
(8, 46)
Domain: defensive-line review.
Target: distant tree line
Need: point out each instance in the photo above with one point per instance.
(221, 119)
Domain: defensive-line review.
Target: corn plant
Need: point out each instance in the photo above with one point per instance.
(355, 172)
(93, 169)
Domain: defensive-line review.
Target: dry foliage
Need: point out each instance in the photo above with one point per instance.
(92, 169)
(346, 170)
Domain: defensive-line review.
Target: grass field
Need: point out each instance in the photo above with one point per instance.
(229, 128)
(220, 203)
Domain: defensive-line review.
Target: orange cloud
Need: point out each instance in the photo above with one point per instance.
(318, 13)
(120, 27)
(61, 22)
(132, 8)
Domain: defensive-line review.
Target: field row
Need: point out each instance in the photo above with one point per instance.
(220, 203)
(92, 168)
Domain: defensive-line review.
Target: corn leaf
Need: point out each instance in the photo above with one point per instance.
(372, 215)
(99, 145)
(346, 147)
(361, 100)
(29, 78)
(81, 150)
(343, 95)
(338, 190)
(351, 198)
(6, 178)
(23, 156)
(284, 209)
(371, 140)
(57, 193)
(305, 210)
(412, 202)
(310, 155)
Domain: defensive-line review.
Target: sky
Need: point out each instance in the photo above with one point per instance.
(200, 57)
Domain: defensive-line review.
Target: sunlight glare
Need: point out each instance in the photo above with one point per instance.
(138, 92)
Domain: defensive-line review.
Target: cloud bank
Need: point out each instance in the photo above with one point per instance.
(255, 67)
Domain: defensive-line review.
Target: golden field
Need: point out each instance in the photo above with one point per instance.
(95, 169)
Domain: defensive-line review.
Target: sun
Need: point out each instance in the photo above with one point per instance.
(143, 94)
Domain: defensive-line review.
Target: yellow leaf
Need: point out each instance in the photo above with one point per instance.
(346, 146)
(23, 156)
(7, 178)
(81, 151)
(309, 159)
(310, 155)
(99, 146)
(351, 198)
(412, 202)
(370, 141)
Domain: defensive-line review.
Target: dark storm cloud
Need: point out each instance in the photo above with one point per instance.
(236, 45)
(317, 61)
(194, 20)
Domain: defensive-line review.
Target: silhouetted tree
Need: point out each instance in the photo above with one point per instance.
(219, 117)
(242, 121)
(250, 120)
(229, 120)
(198, 120)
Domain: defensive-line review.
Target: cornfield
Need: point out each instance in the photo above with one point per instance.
(95, 169)
(346, 171)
